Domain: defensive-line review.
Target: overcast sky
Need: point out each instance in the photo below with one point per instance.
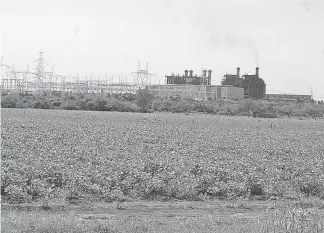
(285, 38)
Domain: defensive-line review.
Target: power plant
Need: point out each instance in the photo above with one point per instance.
(233, 86)
(188, 85)
(254, 86)
(190, 79)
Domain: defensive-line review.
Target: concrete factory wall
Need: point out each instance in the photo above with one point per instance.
(230, 92)
(198, 92)
(189, 91)
(288, 97)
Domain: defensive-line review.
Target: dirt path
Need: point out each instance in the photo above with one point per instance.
(155, 216)
(171, 209)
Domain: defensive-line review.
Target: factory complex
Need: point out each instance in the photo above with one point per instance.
(233, 87)
(188, 85)
(199, 87)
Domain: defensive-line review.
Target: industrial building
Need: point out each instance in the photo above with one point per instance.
(42, 78)
(199, 92)
(190, 79)
(289, 97)
(231, 92)
(196, 87)
(254, 86)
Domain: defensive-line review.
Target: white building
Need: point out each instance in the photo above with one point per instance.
(213, 92)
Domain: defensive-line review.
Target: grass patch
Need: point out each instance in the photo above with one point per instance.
(242, 216)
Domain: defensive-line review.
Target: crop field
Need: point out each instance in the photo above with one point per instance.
(69, 155)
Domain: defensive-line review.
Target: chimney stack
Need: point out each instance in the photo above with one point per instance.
(209, 73)
(186, 73)
(257, 72)
(238, 72)
(191, 73)
(205, 73)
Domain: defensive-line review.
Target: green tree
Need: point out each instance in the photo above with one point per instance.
(287, 110)
(248, 106)
(258, 106)
(144, 98)
(101, 104)
(9, 101)
(314, 112)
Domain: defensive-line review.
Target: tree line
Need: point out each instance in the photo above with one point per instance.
(144, 101)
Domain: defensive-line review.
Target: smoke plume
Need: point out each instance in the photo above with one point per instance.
(241, 42)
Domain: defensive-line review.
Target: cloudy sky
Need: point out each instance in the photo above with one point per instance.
(285, 38)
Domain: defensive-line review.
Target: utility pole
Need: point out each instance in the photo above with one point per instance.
(142, 76)
(40, 71)
(52, 80)
(25, 79)
(106, 83)
(98, 87)
(78, 83)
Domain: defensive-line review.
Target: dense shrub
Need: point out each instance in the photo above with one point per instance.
(144, 101)
(69, 106)
(287, 109)
(42, 104)
(9, 101)
(125, 97)
(101, 104)
(310, 187)
(56, 104)
(25, 103)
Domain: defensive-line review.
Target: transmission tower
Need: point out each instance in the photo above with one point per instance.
(202, 94)
(142, 76)
(40, 72)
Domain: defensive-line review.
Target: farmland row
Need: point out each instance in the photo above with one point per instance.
(109, 156)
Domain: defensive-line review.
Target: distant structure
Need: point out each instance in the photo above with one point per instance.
(143, 77)
(190, 78)
(43, 79)
(254, 86)
(196, 87)
(233, 79)
(40, 77)
(198, 92)
(289, 97)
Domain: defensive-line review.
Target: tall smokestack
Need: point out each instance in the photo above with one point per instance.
(186, 73)
(205, 73)
(209, 73)
(238, 72)
(257, 72)
(191, 73)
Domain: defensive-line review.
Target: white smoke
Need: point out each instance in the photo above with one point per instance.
(233, 41)
(255, 50)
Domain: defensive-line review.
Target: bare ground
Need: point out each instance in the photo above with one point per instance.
(158, 216)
